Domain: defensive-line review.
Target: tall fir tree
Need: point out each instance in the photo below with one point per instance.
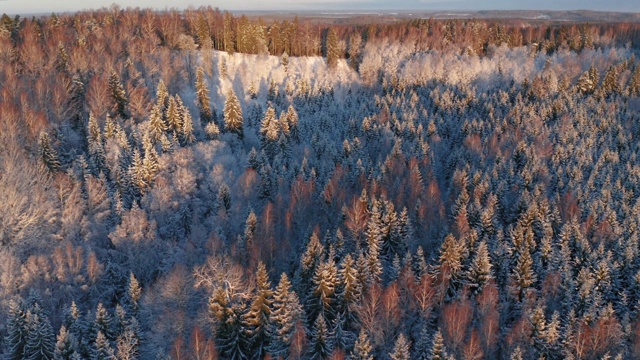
(320, 345)
(362, 349)
(401, 349)
(233, 120)
(48, 154)
(202, 98)
(17, 332)
(332, 51)
(40, 344)
(65, 345)
(257, 318)
(118, 96)
(286, 313)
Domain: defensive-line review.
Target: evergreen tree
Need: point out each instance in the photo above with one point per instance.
(286, 312)
(438, 350)
(133, 295)
(233, 121)
(118, 95)
(174, 118)
(103, 323)
(332, 52)
(257, 318)
(202, 98)
(65, 345)
(48, 154)
(269, 132)
(102, 350)
(157, 126)
(230, 334)
(322, 300)
(401, 349)
(343, 338)
(292, 120)
(186, 131)
(17, 332)
(40, 344)
(162, 97)
(320, 346)
(450, 267)
(362, 348)
(480, 271)
(349, 289)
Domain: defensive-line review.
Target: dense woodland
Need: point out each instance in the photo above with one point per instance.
(201, 185)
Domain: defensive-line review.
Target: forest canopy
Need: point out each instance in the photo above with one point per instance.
(198, 184)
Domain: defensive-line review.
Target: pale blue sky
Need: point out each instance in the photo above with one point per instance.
(46, 6)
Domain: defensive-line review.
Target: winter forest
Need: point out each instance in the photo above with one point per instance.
(205, 185)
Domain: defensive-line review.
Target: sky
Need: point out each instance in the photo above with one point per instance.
(47, 6)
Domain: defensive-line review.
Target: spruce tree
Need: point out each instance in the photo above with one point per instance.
(186, 131)
(233, 120)
(156, 127)
(202, 98)
(102, 349)
(118, 95)
(362, 349)
(40, 344)
(17, 332)
(286, 313)
(480, 271)
(320, 346)
(230, 334)
(322, 300)
(438, 350)
(174, 117)
(48, 154)
(332, 52)
(65, 345)
(401, 349)
(257, 318)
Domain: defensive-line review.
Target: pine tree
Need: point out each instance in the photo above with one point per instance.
(349, 289)
(118, 95)
(401, 349)
(332, 52)
(292, 120)
(230, 335)
(40, 344)
(320, 346)
(103, 323)
(157, 126)
(269, 131)
(362, 348)
(523, 276)
(202, 98)
(48, 154)
(233, 121)
(322, 300)
(374, 234)
(17, 332)
(480, 271)
(133, 296)
(451, 264)
(186, 131)
(224, 198)
(257, 318)
(162, 97)
(174, 119)
(102, 349)
(286, 313)
(438, 350)
(65, 345)
(343, 338)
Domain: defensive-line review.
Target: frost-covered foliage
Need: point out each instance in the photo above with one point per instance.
(467, 197)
